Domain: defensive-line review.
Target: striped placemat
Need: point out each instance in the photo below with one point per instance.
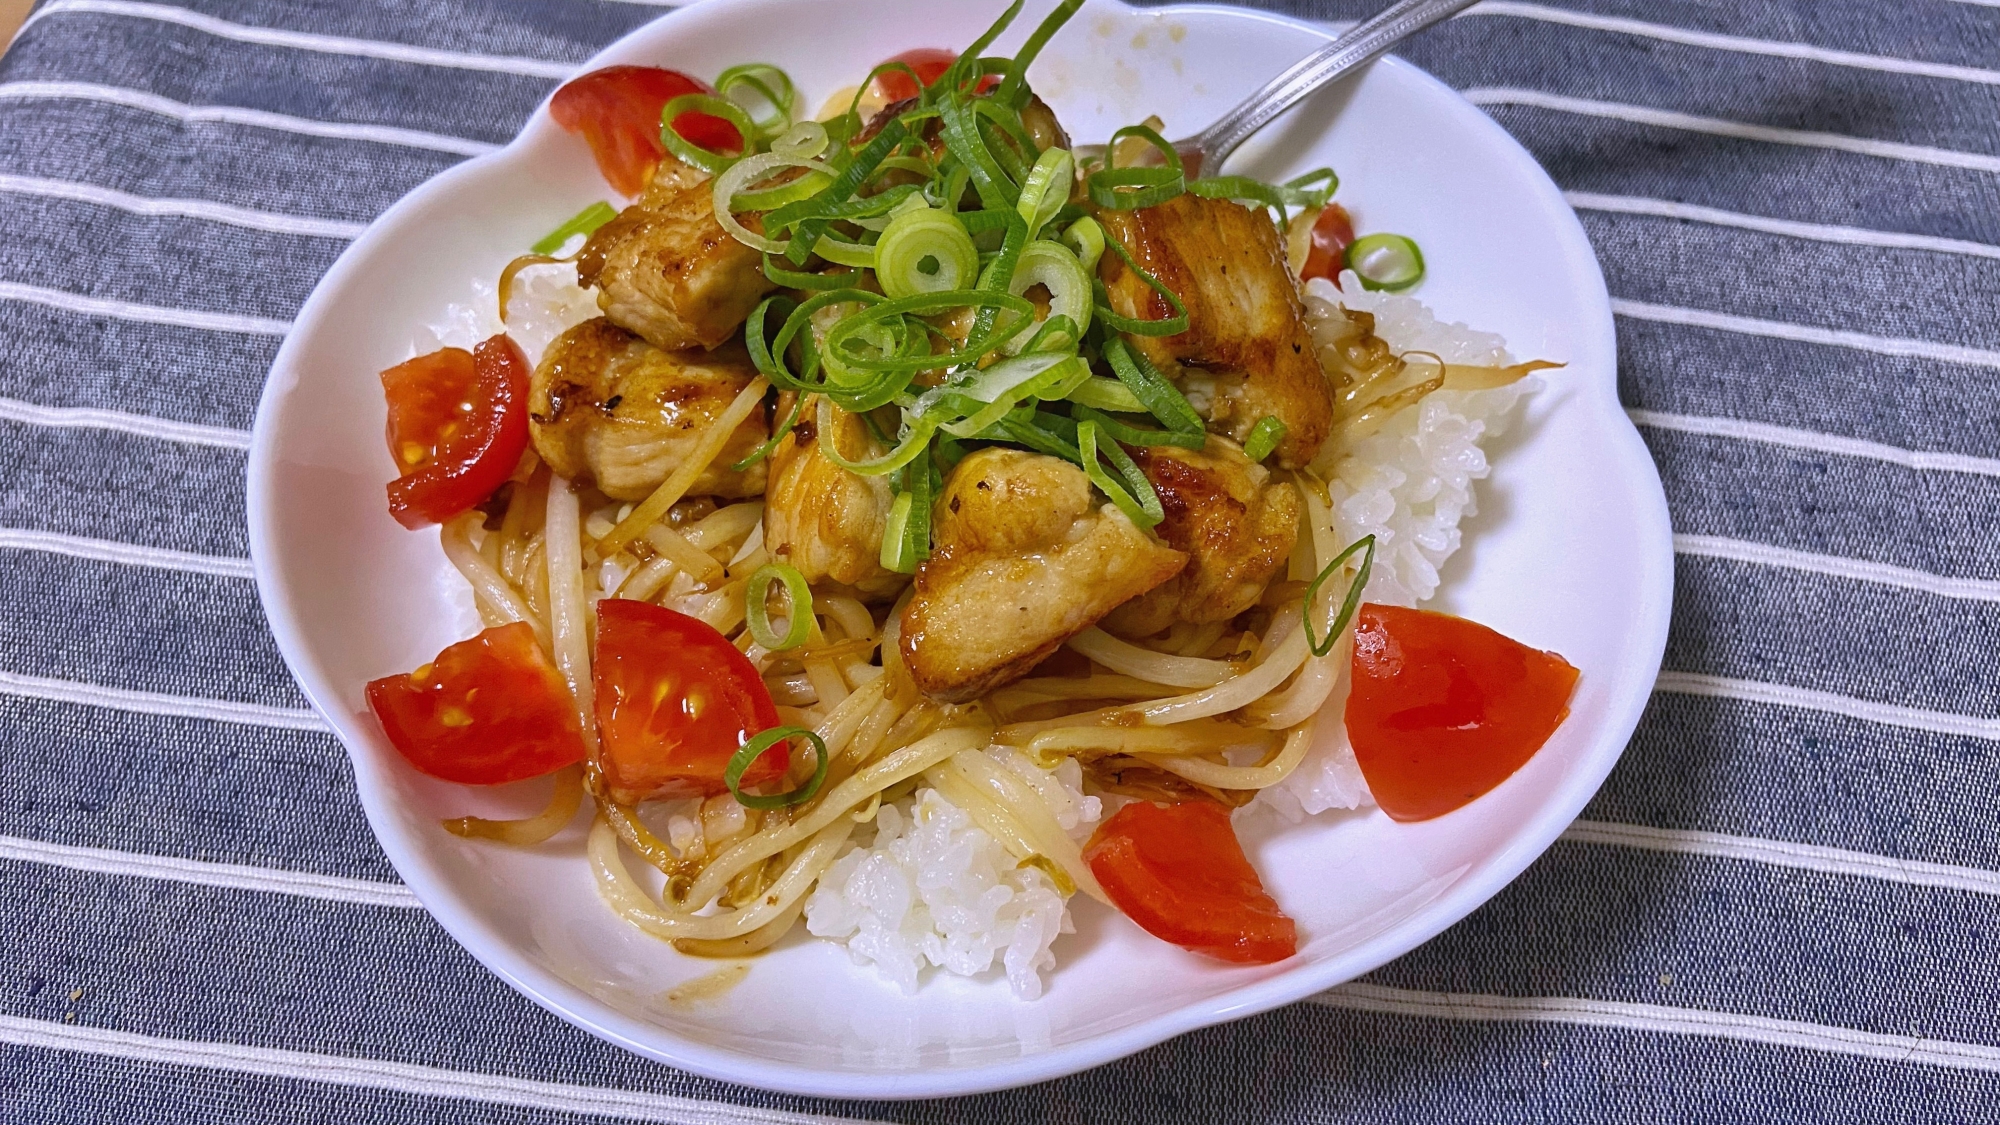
(1782, 907)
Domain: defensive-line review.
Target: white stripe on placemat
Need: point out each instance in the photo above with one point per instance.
(1720, 42)
(1866, 710)
(1782, 853)
(396, 1077)
(1805, 333)
(1723, 127)
(181, 208)
(230, 876)
(126, 554)
(1791, 438)
(158, 703)
(306, 40)
(146, 314)
(1763, 554)
(1819, 232)
(139, 425)
(237, 115)
(1625, 1016)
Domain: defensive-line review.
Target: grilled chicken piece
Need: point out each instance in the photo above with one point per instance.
(1247, 353)
(665, 268)
(607, 406)
(824, 520)
(1024, 560)
(1237, 525)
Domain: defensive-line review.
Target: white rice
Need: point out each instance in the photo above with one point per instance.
(1409, 485)
(546, 302)
(933, 888)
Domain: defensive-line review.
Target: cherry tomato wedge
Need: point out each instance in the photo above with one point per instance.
(617, 110)
(489, 710)
(930, 63)
(1444, 709)
(1179, 872)
(1332, 232)
(458, 423)
(675, 700)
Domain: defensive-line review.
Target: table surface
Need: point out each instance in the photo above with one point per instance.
(1782, 906)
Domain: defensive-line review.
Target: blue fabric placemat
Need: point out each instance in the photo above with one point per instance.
(1782, 907)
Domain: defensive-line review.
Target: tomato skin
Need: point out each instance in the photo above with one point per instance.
(458, 424)
(487, 711)
(1332, 232)
(675, 700)
(617, 109)
(1179, 872)
(1444, 709)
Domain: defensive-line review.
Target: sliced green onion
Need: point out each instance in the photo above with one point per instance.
(1057, 334)
(1107, 394)
(1304, 192)
(798, 617)
(708, 160)
(1085, 238)
(909, 449)
(1046, 188)
(1127, 189)
(799, 279)
(1052, 265)
(1162, 399)
(1264, 438)
(955, 75)
(1171, 326)
(772, 198)
(963, 139)
(1144, 508)
(841, 252)
(584, 222)
(734, 183)
(843, 334)
(767, 82)
(1347, 608)
(778, 434)
(809, 215)
(732, 774)
(1044, 376)
(1012, 90)
(925, 250)
(1132, 435)
(906, 539)
(1386, 261)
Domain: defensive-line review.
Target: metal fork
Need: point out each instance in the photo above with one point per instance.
(1348, 50)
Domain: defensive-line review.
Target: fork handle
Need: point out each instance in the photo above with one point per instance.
(1346, 51)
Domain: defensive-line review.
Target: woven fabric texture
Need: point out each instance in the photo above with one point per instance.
(1783, 906)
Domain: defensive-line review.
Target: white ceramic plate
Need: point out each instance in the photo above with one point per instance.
(1570, 551)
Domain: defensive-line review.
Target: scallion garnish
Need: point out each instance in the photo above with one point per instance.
(1386, 261)
(584, 222)
(1365, 543)
(732, 774)
(1264, 438)
(798, 614)
(959, 215)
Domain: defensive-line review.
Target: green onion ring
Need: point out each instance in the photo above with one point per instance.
(708, 160)
(1163, 400)
(1132, 435)
(1144, 510)
(778, 434)
(757, 615)
(768, 82)
(909, 449)
(1264, 438)
(732, 775)
(584, 222)
(1047, 188)
(799, 279)
(1107, 394)
(922, 235)
(1085, 238)
(1385, 261)
(1354, 589)
(1171, 326)
(1133, 187)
